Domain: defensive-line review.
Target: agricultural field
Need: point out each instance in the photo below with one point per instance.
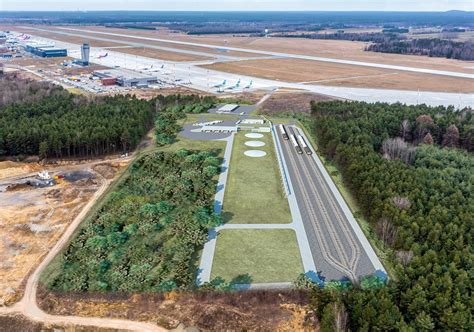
(254, 193)
(257, 256)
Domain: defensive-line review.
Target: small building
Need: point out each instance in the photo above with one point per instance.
(219, 129)
(108, 81)
(228, 108)
(127, 78)
(253, 121)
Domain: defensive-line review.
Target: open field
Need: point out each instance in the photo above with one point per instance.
(291, 102)
(254, 193)
(159, 54)
(324, 73)
(338, 49)
(269, 255)
(32, 219)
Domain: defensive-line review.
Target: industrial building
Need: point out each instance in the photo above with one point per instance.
(126, 78)
(45, 50)
(229, 108)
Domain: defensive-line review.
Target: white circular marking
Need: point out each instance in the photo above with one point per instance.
(253, 135)
(255, 144)
(255, 153)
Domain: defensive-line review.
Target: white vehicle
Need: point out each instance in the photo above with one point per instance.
(295, 144)
(283, 132)
(303, 144)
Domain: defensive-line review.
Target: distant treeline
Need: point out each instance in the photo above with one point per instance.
(390, 42)
(434, 47)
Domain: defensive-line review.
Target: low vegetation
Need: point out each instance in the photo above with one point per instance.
(414, 185)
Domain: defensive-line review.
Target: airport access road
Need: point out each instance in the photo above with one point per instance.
(340, 250)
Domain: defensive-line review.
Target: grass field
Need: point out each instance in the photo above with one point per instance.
(254, 193)
(269, 255)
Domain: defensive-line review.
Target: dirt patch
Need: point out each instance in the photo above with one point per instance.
(208, 311)
(291, 102)
(12, 168)
(33, 218)
(17, 322)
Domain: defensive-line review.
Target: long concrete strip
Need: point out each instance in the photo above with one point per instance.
(280, 54)
(345, 208)
(205, 266)
(298, 226)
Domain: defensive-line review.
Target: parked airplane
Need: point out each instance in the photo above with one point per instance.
(234, 86)
(249, 85)
(101, 56)
(221, 84)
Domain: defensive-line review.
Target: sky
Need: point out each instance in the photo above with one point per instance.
(233, 5)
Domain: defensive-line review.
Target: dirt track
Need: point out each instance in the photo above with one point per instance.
(28, 305)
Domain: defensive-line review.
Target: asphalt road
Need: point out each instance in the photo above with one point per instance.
(337, 252)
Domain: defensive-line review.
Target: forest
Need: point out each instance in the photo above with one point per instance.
(432, 47)
(410, 169)
(57, 124)
(146, 234)
(391, 41)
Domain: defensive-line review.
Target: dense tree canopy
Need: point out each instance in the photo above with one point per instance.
(145, 236)
(419, 199)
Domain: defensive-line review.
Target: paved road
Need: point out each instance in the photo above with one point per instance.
(337, 251)
(280, 54)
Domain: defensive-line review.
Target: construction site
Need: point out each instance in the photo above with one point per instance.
(37, 204)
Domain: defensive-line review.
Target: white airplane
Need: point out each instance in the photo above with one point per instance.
(249, 85)
(220, 85)
(234, 86)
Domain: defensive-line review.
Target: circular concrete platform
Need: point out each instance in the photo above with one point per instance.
(255, 144)
(255, 153)
(254, 135)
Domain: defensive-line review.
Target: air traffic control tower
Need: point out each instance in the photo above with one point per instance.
(85, 51)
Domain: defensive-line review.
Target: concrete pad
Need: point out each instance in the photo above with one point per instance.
(255, 153)
(254, 135)
(255, 144)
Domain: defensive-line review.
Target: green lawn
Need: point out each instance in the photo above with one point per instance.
(266, 255)
(254, 191)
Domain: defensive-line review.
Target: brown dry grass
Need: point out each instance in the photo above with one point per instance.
(159, 54)
(208, 311)
(291, 102)
(338, 49)
(333, 74)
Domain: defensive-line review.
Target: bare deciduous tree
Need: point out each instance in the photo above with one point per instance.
(451, 137)
(428, 139)
(402, 203)
(386, 231)
(397, 148)
(405, 256)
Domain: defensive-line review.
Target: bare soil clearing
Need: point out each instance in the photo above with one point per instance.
(291, 102)
(332, 74)
(33, 218)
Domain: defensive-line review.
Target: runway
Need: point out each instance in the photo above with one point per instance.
(193, 76)
(339, 252)
(280, 54)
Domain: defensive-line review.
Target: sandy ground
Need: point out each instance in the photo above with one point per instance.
(33, 219)
(158, 54)
(332, 74)
(338, 49)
